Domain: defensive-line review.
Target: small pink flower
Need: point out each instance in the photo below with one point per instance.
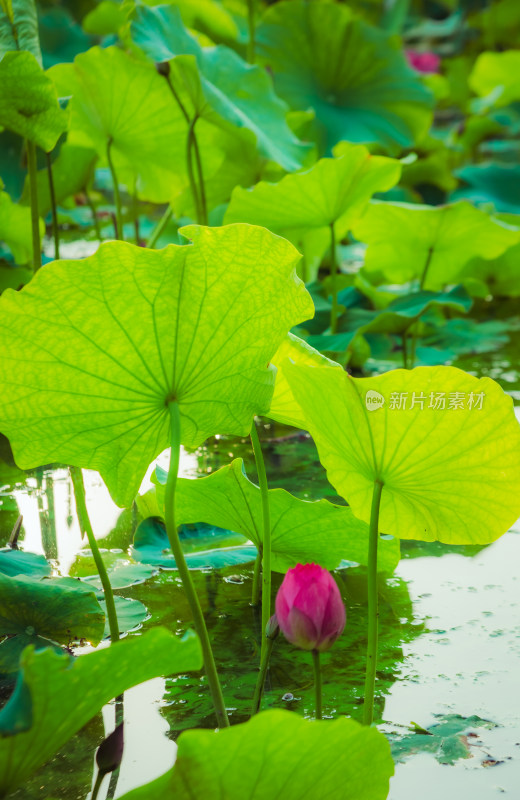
(309, 608)
(423, 62)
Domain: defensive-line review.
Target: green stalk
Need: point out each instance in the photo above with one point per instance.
(55, 229)
(97, 785)
(260, 681)
(117, 197)
(405, 349)
(95, 220)
(334, 282)
(426, 268)
(202, 191)
(317, 682)
(197, 198)
(159, 228)
(266, 544)
(33, 191)
(373, 611)
(86, 527)
(255, 591)
(251, 27)
(184, 573)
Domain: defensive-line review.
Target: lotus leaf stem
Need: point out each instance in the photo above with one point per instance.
(373, 611)
(35, 218)
(262, 672)
(266, 539)
(317, 682)
(184, 573)
(255, 590)
(334, 281)
(159, 228)
(54, 210)
(86, 527)
(119, 233)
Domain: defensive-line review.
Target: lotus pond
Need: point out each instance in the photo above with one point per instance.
(259, 399)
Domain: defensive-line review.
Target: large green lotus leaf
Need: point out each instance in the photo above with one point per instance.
(334, 191)
(15, 228)
(119, 98)
(468, 336)
(18, 562)
(28, 101)
(353, 75)
(55, 697)
(50, 609)
(94, 349)
(496, 76)
(284, 407)
(450, 474)
(301, 531)
(211, 17)
(492, 182)
(229, 89)
(280, 754)
(501, 276)
(71, 172)
(19, 27)
(401, 239)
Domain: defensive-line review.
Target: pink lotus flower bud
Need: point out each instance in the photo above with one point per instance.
(423, 62)
(309, 608)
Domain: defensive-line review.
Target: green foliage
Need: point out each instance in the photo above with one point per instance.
(278, 752)
(301, 531)
(15, 229)
(450, 474)
(28, 100)
(352, 74)
(496, 77)
(18, 562)
(71, 343)
(407, 242)
(72, 171)
(19, 27)
(447, 740)
(55, 697)
(222, 88)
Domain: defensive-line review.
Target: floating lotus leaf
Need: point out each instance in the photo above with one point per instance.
(94, 349)
(28, 101)
(445, 444)
(223, 88)
(354, 76)
(433, 244)
(279, 753)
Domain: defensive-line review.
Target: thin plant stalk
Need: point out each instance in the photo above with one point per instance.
(35, 218)
(333, 280)
(405, 349)
(373, 610)
(255, 591)
(426, 268)
(260, 681)
(317, 683)
(119, 234)
(54, 210)
(97, 785)
(184, 573)
(198, 162)
(86, 527)
(266, 542)
(95, 219)
(159, 228)
(251, 27)
(120, 716)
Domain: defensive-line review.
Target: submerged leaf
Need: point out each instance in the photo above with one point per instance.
(58, 696)
(279, 753)
(95, 349)
(444, 444)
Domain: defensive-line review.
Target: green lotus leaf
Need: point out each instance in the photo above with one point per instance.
(130, 614)
(498, 24)
(353, 75)
(72, 171)
(501, 276)
(55, 697)
(334, 191)
(468, 336)
(301, 531)
(211, 17)
(93, 350)
(49, 608)
(224, 88)
(11, 650)
(496, 76)
(19, 28)
(106, 18)
(492, 182)
(15, 228)
(18, 562)
(279, 754)
(430, 243)
(445, 445)
(284, 407)
(117, 98)
(28, 101)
